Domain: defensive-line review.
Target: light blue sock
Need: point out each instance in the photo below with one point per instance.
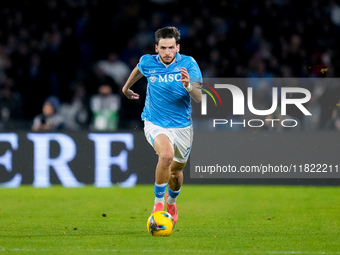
(172, 196)
(159, 192)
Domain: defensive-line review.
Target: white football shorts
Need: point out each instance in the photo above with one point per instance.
(180, 138)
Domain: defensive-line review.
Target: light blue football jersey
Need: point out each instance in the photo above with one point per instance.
(167, 103)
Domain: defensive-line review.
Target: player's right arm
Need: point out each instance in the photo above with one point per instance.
(133, 78)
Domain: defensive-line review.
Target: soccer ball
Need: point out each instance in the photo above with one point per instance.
(160, 223)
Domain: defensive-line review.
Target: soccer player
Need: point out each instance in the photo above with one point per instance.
(172, 82)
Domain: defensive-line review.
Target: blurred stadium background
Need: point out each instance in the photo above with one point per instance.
(81, 52)
(69, 48)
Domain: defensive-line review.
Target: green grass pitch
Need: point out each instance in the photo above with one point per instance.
(212, 220)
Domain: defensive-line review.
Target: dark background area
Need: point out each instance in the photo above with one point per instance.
(50, 47)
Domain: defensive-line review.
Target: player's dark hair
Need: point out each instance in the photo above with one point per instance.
(167, 32)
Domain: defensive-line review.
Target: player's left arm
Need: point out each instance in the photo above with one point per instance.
(195, 93)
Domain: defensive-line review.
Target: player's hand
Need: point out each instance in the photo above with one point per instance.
(185, 77)
(131, 95)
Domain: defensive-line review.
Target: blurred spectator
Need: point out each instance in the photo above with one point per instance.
(49, 119)
(35, 87)
(10, 102)
(77, 112)
(144, 36)
(260, 79)
(255, 41)
(132, 50)
(335, 12)
(115, 68)
(328, 98)
(336, 117)
(98, 77)
(105, 106)
(295, 55)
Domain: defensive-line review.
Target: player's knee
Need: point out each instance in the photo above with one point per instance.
(165, 158)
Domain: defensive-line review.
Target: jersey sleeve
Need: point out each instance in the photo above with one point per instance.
(142, 63)
(194, 72)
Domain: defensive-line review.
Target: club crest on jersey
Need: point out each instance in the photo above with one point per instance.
(153, 78)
